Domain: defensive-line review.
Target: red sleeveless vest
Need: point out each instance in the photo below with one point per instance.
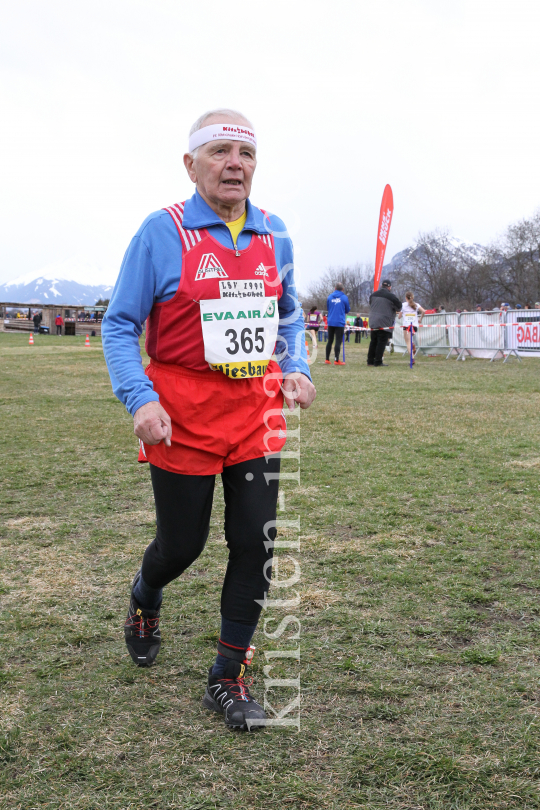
(209, 270)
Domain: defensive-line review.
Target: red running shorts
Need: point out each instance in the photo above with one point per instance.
(216, 421)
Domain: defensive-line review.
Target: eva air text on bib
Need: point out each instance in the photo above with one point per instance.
(239, 336)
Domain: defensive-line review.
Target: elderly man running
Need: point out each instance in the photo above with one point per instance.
(218, 291)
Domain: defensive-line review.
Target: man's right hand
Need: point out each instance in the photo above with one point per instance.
(152, 424)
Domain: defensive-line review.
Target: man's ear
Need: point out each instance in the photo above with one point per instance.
(189, 163)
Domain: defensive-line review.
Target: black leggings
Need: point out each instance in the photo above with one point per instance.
(338, 332)
(183, 507)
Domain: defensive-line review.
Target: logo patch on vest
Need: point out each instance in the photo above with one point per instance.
(210, 268)
(261, 270)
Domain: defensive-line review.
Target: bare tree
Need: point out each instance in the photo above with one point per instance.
(431, 270)
(442, 270)
(515, 261)
(357, 281)
(477, 285)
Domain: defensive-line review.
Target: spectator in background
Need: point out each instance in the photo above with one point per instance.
(37, 320)
(478, 308)
(383, 308)
(338, 307)
(314, 320)
(442, 308)
(359, 323)
(59, 321)
(325, 324)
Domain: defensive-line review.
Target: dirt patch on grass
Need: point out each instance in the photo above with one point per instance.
(319, 598)
(26, 524)
(12, 710)
(397, 544)
(527, 463)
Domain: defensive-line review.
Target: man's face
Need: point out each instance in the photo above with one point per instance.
(223, 170)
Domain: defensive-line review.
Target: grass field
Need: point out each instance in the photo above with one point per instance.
(418, 505)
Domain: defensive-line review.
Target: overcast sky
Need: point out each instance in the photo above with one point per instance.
(439, 99)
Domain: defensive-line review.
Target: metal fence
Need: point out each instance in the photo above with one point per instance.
(477, 334)
(523, 331)
(481, 334)
(438, 334)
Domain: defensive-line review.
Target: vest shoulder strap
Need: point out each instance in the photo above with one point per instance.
(265, 237)
(188, 237)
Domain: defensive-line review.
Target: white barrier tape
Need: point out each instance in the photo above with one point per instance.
(434, 326)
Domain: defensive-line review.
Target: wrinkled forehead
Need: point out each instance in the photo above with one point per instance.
(224, 143)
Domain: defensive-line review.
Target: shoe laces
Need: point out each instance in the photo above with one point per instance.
(242, 693)
(144, 627)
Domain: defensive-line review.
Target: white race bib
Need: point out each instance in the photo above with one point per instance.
(239, 335)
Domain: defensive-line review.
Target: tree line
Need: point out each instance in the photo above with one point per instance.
(357, 282)
(442, 271)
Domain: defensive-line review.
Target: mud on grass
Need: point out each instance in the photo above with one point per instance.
(420, 617)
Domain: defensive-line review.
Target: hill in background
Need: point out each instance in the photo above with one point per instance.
(74, 281)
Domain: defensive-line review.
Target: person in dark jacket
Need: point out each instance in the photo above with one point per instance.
(338, 307)
(383, 308)
(358, 322)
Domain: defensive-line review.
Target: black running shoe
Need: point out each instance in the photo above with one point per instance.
(229, 695)
(141, 630)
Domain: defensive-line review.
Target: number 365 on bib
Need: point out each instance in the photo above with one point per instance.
(239, 337)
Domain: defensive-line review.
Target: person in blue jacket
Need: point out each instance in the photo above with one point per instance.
(337, 304)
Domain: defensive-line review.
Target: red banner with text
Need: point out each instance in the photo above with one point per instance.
(385, 218)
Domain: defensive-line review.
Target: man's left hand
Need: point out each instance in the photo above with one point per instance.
(298, 388)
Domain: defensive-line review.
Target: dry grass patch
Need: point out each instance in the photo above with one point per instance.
(28, 524)
(526, 463)
(319, 598)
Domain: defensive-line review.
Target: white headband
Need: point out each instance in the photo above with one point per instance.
(221, 132)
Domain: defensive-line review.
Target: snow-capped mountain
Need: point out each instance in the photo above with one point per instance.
(457, 248)
(73, 281)
(471, 250)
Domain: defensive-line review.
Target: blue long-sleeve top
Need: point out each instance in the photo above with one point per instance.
(151, 272)
(337, 304)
